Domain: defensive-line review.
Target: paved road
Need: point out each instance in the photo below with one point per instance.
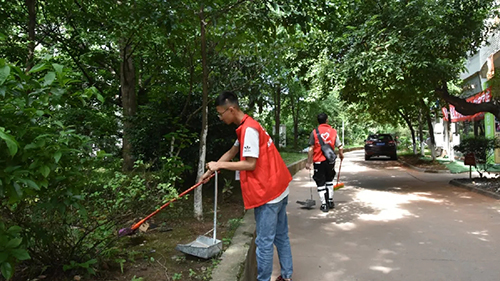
(393, 223)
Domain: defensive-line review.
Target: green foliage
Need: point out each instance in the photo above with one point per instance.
(391, 56)
(121, 262)
(66, 197)
(177, 276)
(405, 143)
(60, 129)
(482, 148)
(39, 145)
(227, 188)
(86, 265)
(291, 157)
(234, 223)
(12, 250)
(43, 152)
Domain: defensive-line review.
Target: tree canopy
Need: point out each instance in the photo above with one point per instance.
(108, 105)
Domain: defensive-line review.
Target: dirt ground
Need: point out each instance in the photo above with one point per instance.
(152, 255)
(488, 184)
(416, 161)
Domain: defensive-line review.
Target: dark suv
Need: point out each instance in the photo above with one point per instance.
(380, 144)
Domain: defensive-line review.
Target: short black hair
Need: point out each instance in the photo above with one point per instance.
(227, 98)
(322, 118)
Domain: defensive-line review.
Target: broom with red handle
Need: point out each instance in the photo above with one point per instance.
(134, 227)
(339, 185)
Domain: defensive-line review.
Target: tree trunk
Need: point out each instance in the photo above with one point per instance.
(421, 132)
(129, 101)
(198, 203)
(295, 115)
(431, 129)
(277, 109)
(451, 150)
(408, 122)
(467, 108)
(446, 127)
(31, 5)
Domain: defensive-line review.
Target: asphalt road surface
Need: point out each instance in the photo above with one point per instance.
(393, 223)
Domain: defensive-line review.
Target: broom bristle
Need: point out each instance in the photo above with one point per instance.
(338, 186)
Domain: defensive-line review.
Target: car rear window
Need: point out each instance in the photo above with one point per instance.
(380, 137)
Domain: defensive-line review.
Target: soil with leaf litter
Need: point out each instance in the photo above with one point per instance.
(490, 183)
(417, 161)
(151, 255)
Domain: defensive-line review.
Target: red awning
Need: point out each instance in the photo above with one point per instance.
(481, 97)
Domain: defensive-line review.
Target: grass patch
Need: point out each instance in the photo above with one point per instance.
(292, 157)
(458, 167)
(353, 146)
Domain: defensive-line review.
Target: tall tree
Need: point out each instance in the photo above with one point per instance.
(404, 50)
(129, 99)
(31, 5)
(198, 207)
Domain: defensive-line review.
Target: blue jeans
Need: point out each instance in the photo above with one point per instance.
(272, 228)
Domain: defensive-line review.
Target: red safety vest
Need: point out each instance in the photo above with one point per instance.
(270, 177)
(329, 135)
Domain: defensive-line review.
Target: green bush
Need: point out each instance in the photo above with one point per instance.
(42, 158)
(61, 201)
(482, 148)
(11, 249)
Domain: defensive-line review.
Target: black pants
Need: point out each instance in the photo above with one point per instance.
(323, 173)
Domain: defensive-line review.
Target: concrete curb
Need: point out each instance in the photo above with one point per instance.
(233, 259)
(475, 189)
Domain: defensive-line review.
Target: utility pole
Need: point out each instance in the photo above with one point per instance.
(342, 131)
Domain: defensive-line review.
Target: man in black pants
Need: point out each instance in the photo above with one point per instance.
(324, 172)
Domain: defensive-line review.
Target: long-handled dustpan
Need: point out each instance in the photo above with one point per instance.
(309, 203)
(204, 247)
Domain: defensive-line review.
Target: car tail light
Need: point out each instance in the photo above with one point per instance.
(392, 142)
(369, 142)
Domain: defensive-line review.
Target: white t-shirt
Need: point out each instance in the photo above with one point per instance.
(251, 149)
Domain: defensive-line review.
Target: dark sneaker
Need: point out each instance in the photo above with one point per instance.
(331, 205)
(324, 208)
(283, 279)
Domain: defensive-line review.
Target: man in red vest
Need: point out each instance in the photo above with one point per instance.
(324, 172)
(264, 179)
